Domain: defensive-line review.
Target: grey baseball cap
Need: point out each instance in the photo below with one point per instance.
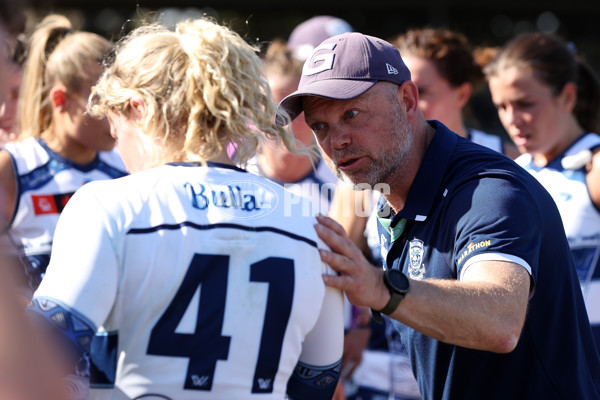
(343, 67)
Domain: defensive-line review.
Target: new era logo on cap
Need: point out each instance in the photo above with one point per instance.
(344, 67)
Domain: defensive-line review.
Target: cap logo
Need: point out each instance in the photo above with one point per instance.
(391, 70)
(326, 60)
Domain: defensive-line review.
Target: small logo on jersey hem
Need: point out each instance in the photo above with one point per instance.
(416, 269)
(264, 384)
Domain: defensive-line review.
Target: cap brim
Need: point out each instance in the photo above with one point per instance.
(335, 89)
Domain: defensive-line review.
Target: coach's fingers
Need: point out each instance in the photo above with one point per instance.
(332, 224)
(341, 282)
(339, 262)
(338, 243)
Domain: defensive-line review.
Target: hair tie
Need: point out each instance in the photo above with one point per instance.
(54, 39)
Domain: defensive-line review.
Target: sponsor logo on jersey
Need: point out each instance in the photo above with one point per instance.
(49, 203)
(244, 199)
(199, 381)
(264, 384)
(416, 267)
(471, 247)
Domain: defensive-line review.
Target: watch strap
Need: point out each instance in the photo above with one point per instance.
(392, 304)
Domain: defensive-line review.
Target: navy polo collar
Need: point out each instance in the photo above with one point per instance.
(428, 181)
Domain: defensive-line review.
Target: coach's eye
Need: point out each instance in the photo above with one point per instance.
(351, 114)
(317, 127)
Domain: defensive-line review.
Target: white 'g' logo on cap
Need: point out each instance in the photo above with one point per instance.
(326, 58)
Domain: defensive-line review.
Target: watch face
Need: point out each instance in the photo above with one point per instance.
(397, 280)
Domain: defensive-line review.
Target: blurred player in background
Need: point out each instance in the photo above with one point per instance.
(443, 66)
(306, 176)
(8, 107)
(310, 33)
(548, 100)
(213, 286)
(60, 147)
(25, 371)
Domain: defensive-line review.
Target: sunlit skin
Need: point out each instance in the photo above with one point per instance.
(366, 139)
(72, 133)
(136, 147)
(538, 121)
(437, 98)
(275, 160)
(8, 108)
(126, 132)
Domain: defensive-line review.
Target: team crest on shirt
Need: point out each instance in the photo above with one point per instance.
(416, 268)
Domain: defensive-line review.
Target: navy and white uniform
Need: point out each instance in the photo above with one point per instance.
(45, 182)
(212, 285)
(581, 219)
(468, 203)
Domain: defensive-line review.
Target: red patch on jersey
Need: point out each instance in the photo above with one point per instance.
(44, 204)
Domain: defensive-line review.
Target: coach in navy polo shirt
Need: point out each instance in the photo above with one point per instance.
(479, 275)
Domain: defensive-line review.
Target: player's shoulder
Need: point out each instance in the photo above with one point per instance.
(112, 158)
(27, 153)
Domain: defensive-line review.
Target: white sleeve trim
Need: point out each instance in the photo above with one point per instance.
(494, 257)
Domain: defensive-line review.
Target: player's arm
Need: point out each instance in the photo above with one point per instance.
(484, 310)
(67, 336)
(79, 288)
(318, 370)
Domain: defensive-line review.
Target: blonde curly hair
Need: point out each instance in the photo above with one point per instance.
(203, 87)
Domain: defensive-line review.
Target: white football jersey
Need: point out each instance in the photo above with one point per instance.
(210, 278)
(45, 182)
(488, 140)
(580, 217)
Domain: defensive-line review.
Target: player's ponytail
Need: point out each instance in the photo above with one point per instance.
(55, 53)
(587, 108)
(203, 87)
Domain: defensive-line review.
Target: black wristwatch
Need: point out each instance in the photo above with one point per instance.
(398, 284)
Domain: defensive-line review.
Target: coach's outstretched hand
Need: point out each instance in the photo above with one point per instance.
(362, 283)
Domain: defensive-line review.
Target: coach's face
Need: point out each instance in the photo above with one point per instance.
(365, 139)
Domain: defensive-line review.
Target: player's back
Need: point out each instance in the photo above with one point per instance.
(211, 287)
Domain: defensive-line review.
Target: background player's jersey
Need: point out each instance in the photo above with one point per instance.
(580, 217)
(317, 187)
(45, 182)
(211, 281)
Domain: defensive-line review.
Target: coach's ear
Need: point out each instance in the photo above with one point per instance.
(408, 96)
(138, 109)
